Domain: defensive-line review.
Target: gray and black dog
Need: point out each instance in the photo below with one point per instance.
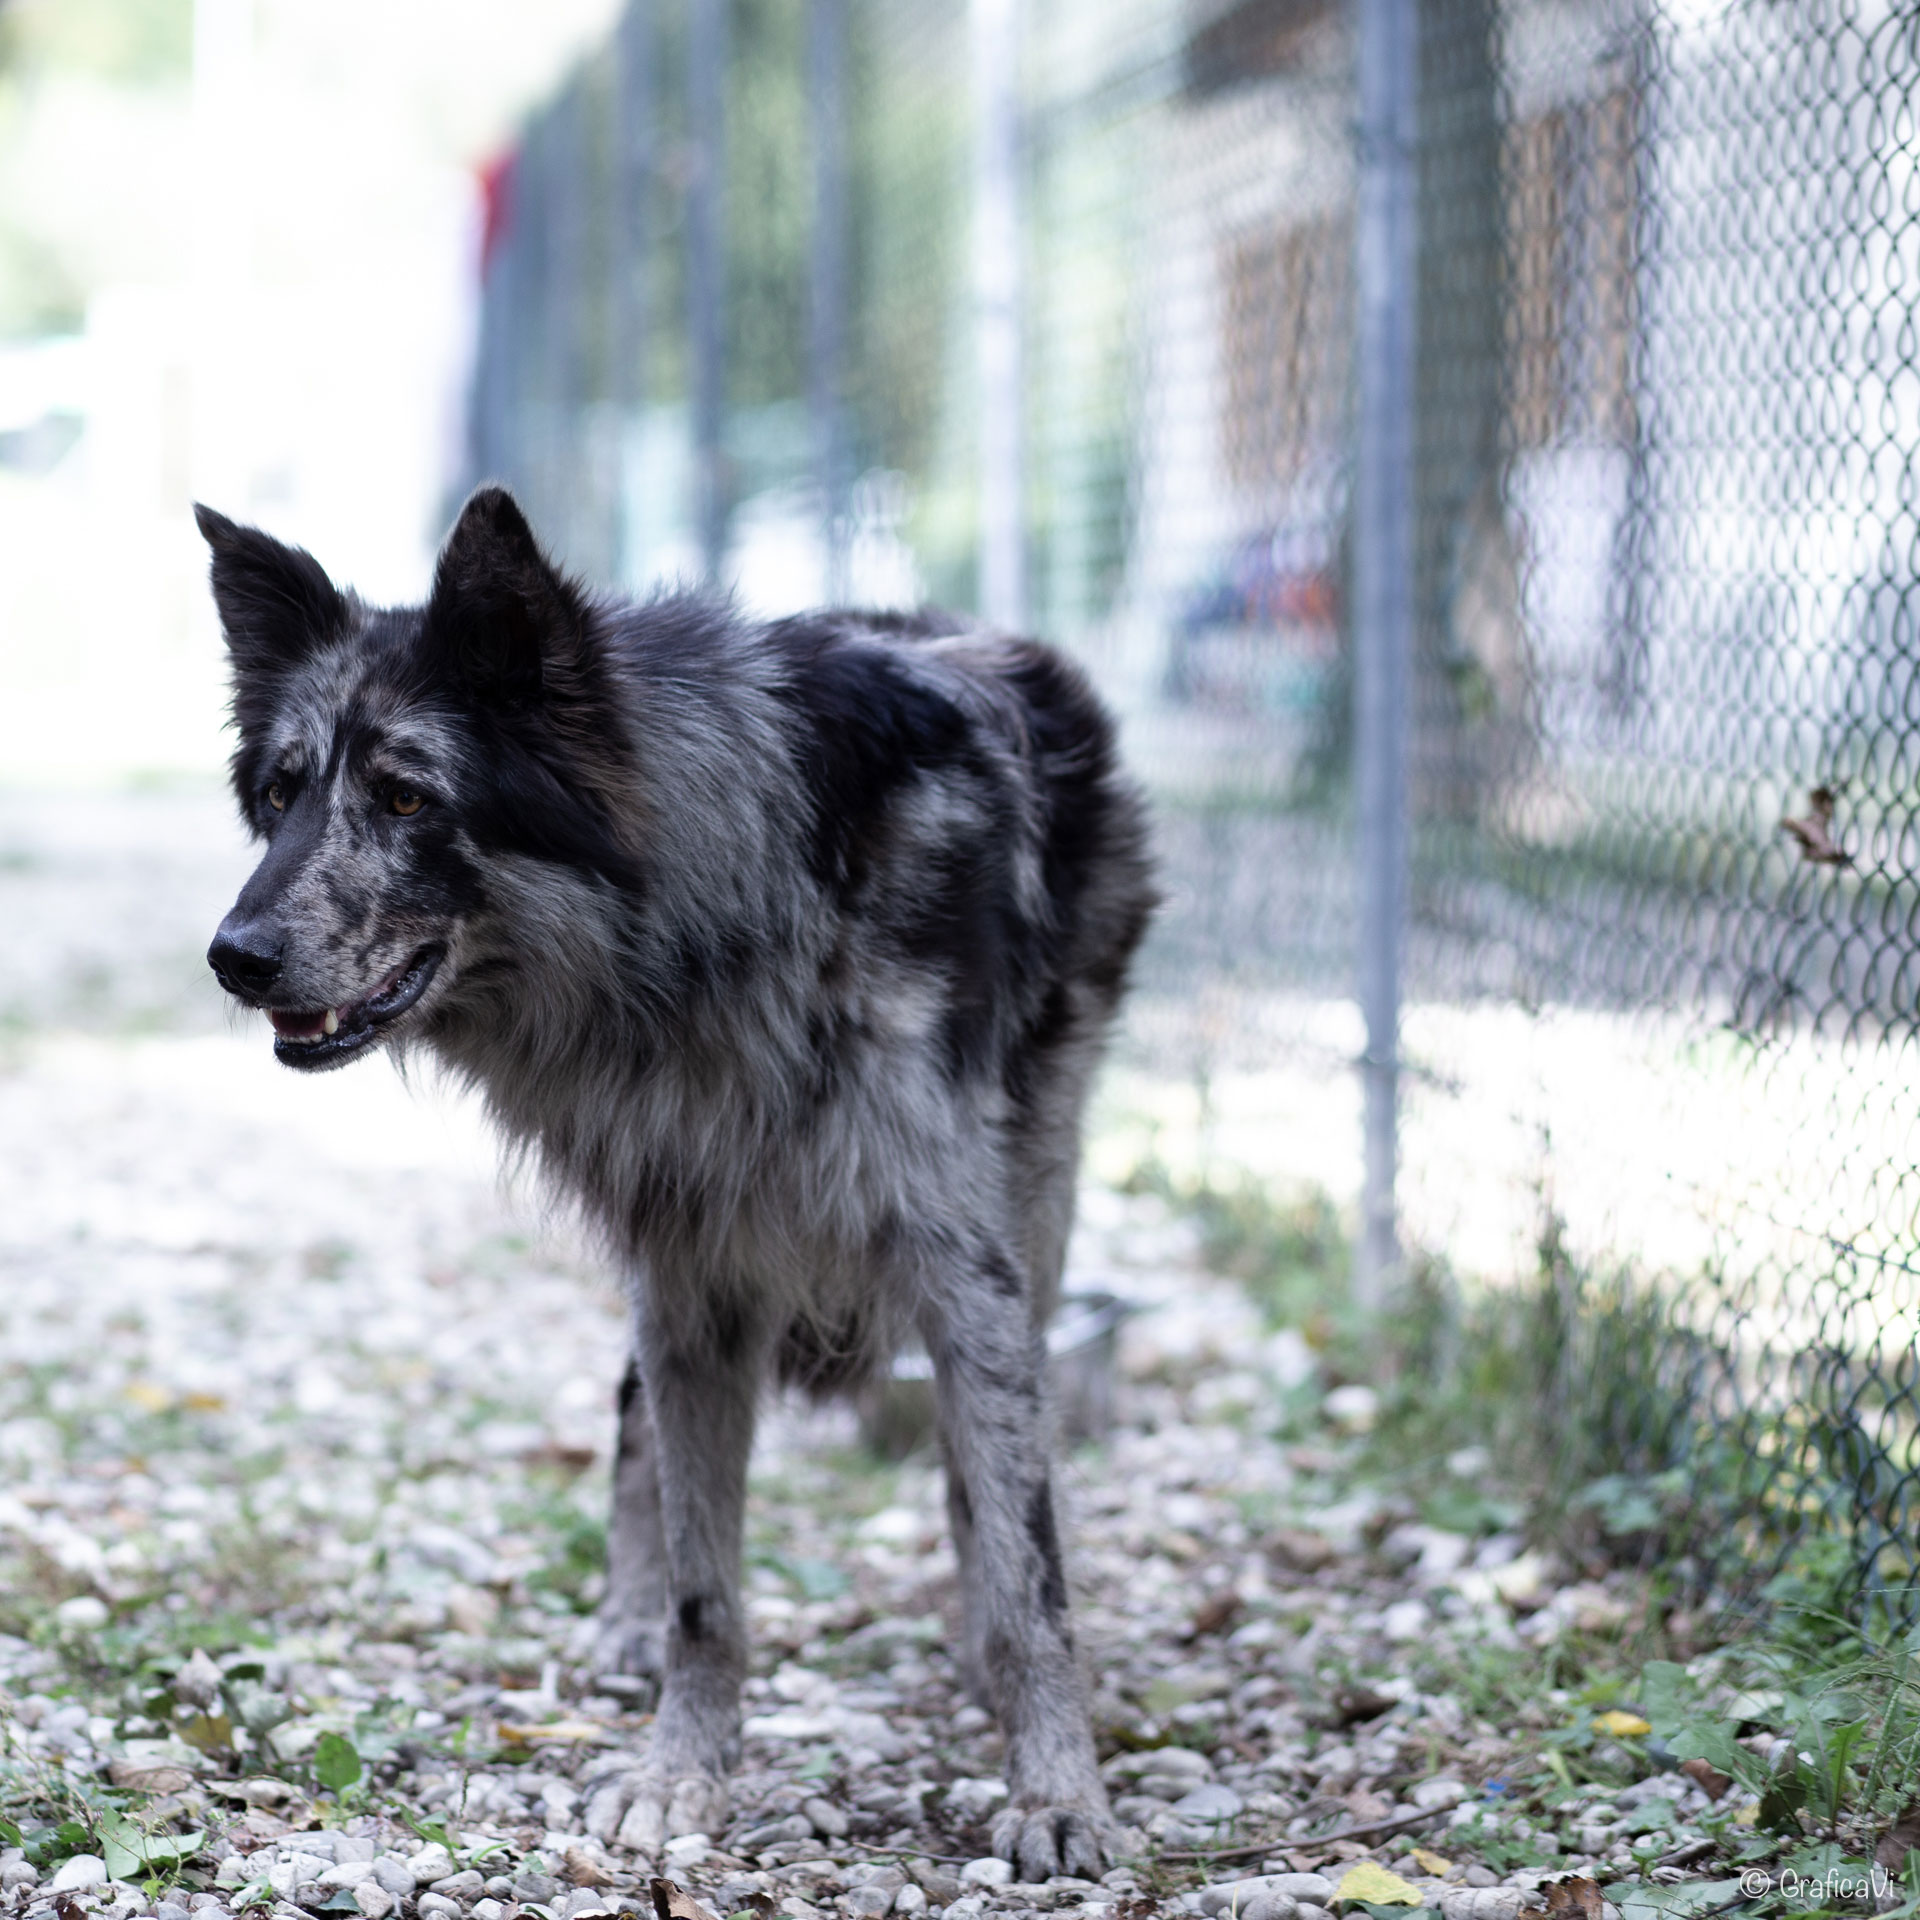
(788, 951)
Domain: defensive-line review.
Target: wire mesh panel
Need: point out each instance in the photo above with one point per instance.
(1674, 629)
(1665, 735)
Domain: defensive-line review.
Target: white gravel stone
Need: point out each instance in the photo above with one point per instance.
(826, 1819)
(976, 1798)
(1209, 1803)
(292, 1871)
(987, 1872)
(433, 1862)
(82, 1871)
(1270, 1906)
(394, 1874)
(1309, 1888)
(1481, 1903)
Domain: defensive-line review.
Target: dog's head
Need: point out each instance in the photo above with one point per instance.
(401, 765)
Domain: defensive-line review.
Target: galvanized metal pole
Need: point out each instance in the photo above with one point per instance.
(1383, 607)
(996, 287)
(706, 272)
(632, 251)
(826, 345)
(564, 477)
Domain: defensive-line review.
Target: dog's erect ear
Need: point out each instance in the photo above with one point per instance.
(507, 622)
(276, 603)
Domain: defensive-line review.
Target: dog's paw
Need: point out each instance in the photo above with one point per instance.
(1045, 1841)
(629, 1645)
(641, 1807)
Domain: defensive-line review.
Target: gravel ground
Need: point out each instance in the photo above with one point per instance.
(304, 1428)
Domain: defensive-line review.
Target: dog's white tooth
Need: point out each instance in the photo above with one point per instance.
(331, 1024)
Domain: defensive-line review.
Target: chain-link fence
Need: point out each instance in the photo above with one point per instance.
(1049, 307)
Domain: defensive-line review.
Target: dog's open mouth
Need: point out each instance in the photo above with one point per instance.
(327, 1036)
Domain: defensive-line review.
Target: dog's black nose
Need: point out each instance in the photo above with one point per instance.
(246, 958)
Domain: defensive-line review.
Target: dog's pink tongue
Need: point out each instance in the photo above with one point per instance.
(297, 1026)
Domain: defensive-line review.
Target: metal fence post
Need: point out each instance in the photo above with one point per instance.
(826, 63)
(996, 292)
(631, 249)
(706, 271)
(564, 477)
(1383, 590)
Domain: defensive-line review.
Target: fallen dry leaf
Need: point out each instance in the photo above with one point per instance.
(1621, 1724)
(1575, 1895)
(145, 1776)
(1215, 1612)
(676, 1903)
(586, 1869)
(1365, 1807)
(1899, 1839)
(1354, 1704)
(1710, 1780)
(1369, 1881)
(259, 1826)
(560, 1733)
(1428, 1861)
(1299, 1549)
(1813, 834)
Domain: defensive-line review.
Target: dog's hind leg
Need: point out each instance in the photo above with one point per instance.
(701, 1384)
(987, 1356)
(632, 1627)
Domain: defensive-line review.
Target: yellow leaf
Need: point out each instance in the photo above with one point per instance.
(1621, 1724)
(1436, 1864)
(577, 1732)
(147, 1397)
(204, 1402)
(1366, 1881)
(210, 1732)
(1749, 1815)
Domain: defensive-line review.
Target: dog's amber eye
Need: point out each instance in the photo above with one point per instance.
(276, 798)
(406, 801)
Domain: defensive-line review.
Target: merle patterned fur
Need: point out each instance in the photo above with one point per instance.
(788, 950)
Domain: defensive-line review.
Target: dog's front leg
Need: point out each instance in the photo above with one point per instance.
(631, 1632)
(701, 1383)
(987, 1370)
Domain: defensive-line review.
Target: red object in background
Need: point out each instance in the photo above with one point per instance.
(496, 200)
